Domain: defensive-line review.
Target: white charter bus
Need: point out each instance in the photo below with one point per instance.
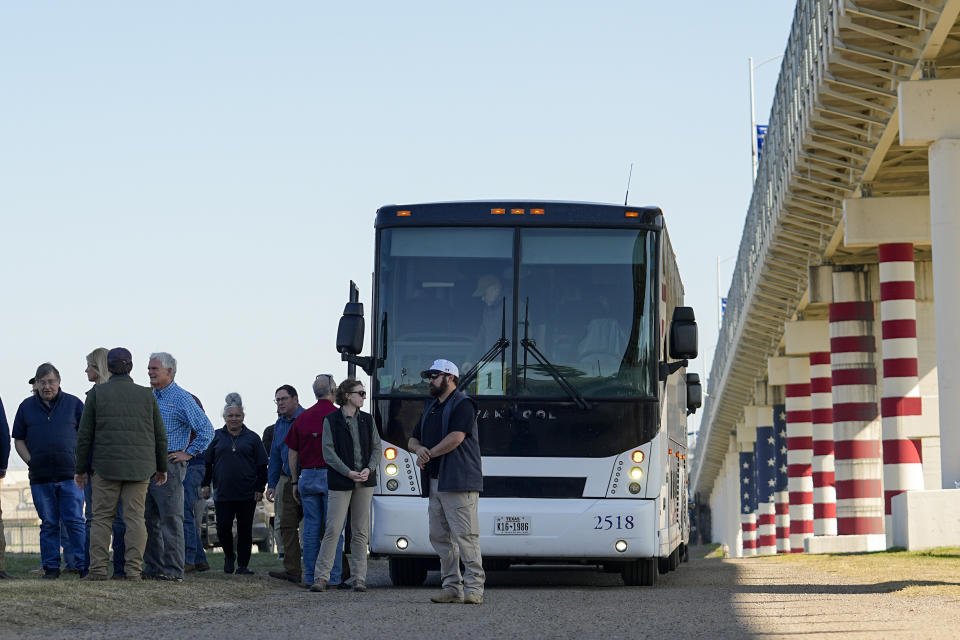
(567, 323)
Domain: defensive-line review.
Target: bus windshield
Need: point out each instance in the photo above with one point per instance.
(580, 311)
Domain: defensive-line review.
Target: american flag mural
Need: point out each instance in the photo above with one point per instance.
(748, 502)
(766, 464)
(782, 493)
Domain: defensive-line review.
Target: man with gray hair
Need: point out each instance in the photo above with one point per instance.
(189, 431)
(308, 473)
(123, 419)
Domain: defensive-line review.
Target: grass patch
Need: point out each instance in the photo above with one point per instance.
(30, 602)
(711, 550)
(913, 573)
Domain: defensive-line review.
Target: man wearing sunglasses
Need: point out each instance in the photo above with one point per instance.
(448, 453)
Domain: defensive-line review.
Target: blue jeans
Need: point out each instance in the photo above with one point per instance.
(192, 543)
(313, 494)
(58, 502)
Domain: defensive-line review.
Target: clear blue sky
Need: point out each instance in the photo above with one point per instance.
(201, 177)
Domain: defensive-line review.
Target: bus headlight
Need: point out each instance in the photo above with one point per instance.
(620, 545)
(402, 543)
(637, 456)
(635, 473)
(392, 484)
(634, 487)
(391, 469)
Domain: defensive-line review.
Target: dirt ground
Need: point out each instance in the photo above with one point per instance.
(852, 596)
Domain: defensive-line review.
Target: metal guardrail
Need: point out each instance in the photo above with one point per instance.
(22, 538)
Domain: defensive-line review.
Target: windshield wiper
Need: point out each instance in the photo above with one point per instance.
(499, 347)
(530, 346)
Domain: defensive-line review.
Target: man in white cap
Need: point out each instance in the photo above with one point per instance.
(448, 453)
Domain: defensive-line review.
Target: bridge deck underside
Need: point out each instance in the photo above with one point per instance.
(833, 134)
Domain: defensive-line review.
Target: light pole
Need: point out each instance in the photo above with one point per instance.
(754, 152)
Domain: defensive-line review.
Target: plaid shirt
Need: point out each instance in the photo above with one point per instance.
(181, 416)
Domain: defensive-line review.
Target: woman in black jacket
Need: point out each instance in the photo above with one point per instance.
(237, 464)
(351, 450)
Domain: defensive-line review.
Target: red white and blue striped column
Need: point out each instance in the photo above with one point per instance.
(782, 507)
(799, 453)
(821, 413)
(900, 406)
(856, 428)
(766, 462)
(748, 498)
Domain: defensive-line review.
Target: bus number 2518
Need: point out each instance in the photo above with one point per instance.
(606, 523)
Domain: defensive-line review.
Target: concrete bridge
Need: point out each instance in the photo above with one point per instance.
(832, 421)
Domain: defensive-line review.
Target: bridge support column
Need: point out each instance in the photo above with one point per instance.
(930, 115)
(821, 413)
(799, 453)
(856, 427)
(901, 405)
(811, 339)
(766, 461)
(778, 374)
(746, 438)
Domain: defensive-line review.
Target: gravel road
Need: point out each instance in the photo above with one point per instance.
(703, 599)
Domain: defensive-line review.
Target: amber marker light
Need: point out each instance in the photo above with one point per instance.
(637, 456)
(498, 212)
(517, 212)
(403, 214)
(390, 453)
(631, 214)
(536, 212)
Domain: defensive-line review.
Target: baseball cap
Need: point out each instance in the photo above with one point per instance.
(441, 366)
(117, 356)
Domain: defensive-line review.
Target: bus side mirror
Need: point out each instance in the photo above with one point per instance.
(694, 393)
(351, 328)
(683, 334)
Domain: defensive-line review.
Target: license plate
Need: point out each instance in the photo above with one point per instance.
(512, 526)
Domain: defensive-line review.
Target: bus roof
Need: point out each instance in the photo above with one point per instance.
(533, 213)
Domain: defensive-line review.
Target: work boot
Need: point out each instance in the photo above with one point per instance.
(51, 574)
(318, 586)
(473, 598)
(202, 566)
(445, 597)
(283, 575)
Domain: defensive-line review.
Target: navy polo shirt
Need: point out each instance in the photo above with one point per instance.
(50, 433)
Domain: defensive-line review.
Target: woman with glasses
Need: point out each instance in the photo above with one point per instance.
(237, 464)
(351, 449)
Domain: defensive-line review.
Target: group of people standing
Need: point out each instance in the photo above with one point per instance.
(134, 451)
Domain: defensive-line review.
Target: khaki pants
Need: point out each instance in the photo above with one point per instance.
(338, 503)
(455, 535)
(106, 495)
(3, 544)
(290, 515)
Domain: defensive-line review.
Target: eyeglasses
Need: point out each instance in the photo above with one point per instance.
(433, 376)
(362, 394)
(283, 399)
